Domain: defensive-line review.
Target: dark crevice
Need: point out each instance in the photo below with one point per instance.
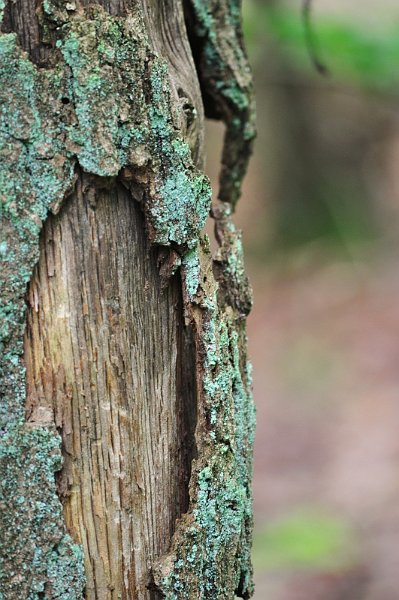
(197, 44)
(187, 391)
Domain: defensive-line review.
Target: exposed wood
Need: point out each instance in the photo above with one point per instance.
(103, 357)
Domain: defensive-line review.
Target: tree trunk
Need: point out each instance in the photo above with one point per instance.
(126, 412)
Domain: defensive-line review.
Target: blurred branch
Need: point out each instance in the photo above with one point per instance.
(310, 38)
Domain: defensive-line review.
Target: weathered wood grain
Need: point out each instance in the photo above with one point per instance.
(103, 357)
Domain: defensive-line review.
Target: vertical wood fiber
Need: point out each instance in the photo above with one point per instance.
(102, 344)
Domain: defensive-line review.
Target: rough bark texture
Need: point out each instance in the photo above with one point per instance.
(101, 123)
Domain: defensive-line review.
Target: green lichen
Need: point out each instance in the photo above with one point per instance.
(181, 204)
(192, 273)
(33, 174)
(34, 545)
(186, 197)
(104, 77)
(64, 568)
(231, 268)
(226, 78)
(220, 517)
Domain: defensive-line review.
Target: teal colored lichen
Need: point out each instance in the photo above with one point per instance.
(211, 25)
(32, 533)
(103, 77)
(221, 500)
(64, 567)
(184, 197)
(226, 77)
(181, 205)
(235, 257)
(2, 7)
(205, 25)
(192, 270)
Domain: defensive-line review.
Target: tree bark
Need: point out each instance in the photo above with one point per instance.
(126, 414)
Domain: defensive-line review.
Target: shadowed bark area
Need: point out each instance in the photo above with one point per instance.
(103, 358)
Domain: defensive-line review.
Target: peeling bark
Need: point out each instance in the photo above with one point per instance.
(126, 411)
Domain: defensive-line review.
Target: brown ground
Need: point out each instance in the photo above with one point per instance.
(325, 348)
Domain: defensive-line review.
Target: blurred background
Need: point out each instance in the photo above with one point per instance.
(320, 215)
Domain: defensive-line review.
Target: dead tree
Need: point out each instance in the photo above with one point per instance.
(126, 411)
